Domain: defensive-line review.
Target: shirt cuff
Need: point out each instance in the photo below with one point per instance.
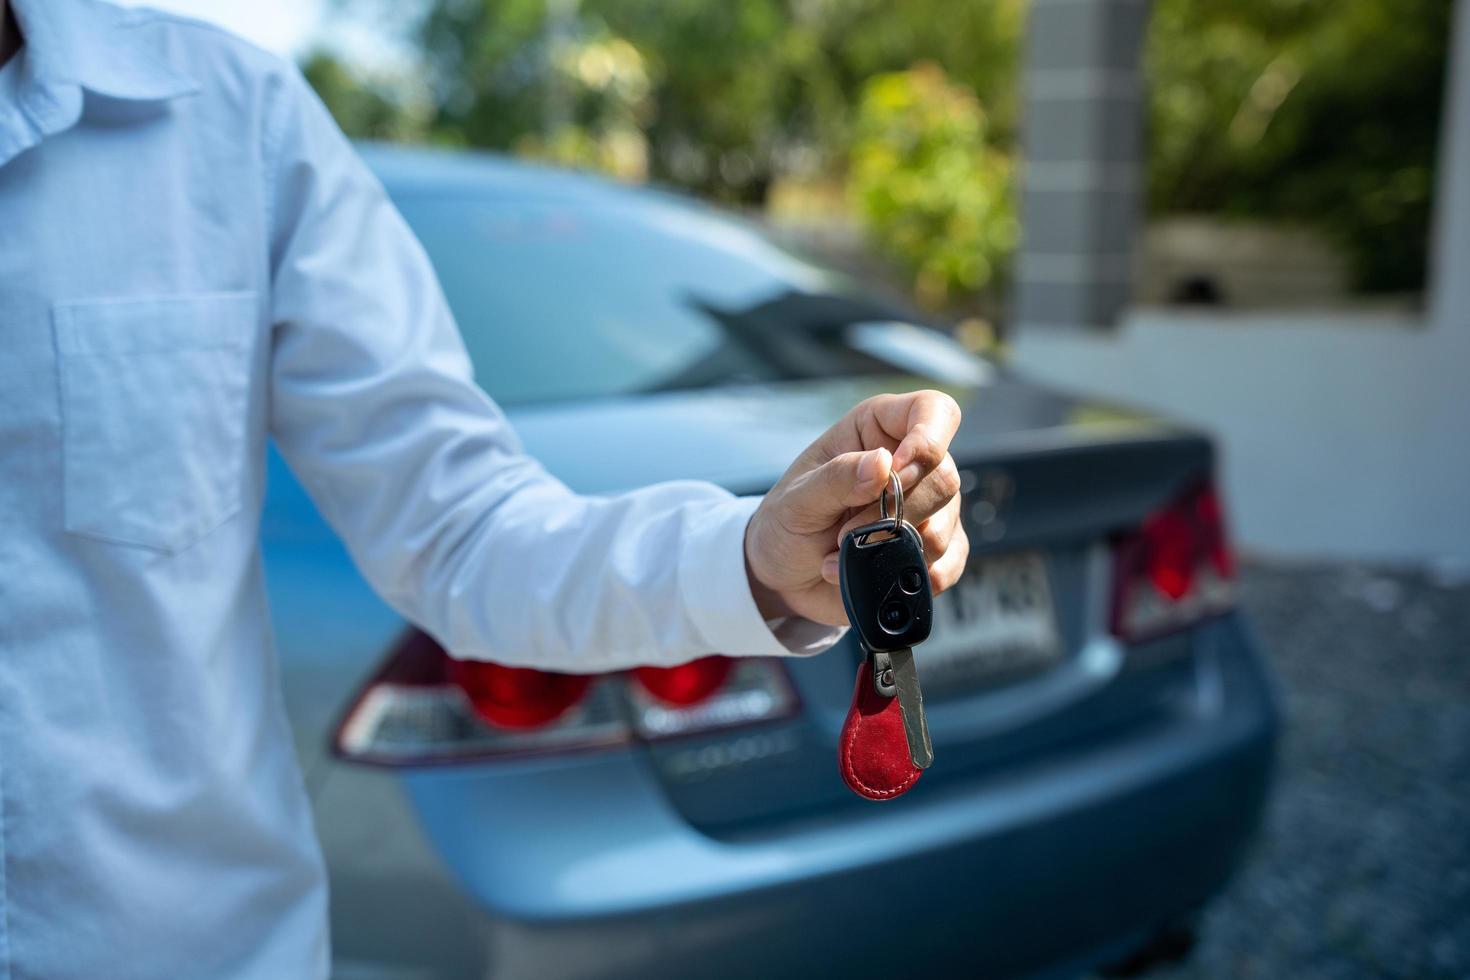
(715, 589)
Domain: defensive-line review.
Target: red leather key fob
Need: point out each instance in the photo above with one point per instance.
(886, 593)
(873, 752)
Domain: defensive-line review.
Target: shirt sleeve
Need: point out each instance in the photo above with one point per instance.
(374, 407)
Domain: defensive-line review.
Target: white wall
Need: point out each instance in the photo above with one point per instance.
(1343, 436)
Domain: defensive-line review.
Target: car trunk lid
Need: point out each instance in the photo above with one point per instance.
(1046, 480)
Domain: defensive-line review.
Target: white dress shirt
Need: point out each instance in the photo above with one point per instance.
(193, 260)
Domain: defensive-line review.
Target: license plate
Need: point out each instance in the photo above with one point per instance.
(996, 623)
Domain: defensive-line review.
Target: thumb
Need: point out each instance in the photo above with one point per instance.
(823, 495)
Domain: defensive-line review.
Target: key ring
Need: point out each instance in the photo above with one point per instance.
(896, 488)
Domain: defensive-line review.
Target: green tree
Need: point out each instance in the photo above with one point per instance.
(363, 108)
(1316, 111)
(932, 189)
(736, 93)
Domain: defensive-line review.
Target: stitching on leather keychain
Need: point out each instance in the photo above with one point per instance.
(857, 780)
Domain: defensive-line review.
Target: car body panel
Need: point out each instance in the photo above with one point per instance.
(1045, 864)
(640, 854)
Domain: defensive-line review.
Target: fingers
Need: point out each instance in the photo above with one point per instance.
(938, 531)
(822, 496)
(948, 567)
(924, 422)
(933, 494)
(842, 474)
(937, 534)
(890, 421)
(946, 548)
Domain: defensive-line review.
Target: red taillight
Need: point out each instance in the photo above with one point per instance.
(424, 706)
(1175, 569)
(517, 697)
(1169, 542)
(1217, 543)
(687, 683)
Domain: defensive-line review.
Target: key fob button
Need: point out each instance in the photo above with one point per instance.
(894, 616)
(911, 580)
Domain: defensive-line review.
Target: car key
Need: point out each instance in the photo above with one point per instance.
(885, 589)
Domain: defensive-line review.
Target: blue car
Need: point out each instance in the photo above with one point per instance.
(1103, 726)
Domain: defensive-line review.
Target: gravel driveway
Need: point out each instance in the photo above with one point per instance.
(1364, 868)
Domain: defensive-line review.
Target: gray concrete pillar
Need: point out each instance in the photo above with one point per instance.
(1449, 257)
(1082, 187)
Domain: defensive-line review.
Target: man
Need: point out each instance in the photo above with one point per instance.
(192, 260)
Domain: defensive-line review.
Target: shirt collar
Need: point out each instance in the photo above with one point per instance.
(96, 46)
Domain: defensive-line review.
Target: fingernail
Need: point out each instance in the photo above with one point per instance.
(869, 466)
(829, 569)
(909, 475)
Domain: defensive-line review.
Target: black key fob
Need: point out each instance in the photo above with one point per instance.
(885, 585)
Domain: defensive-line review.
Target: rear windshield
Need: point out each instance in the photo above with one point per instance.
(562, 301)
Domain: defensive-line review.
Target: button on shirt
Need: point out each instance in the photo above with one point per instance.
(192, 261)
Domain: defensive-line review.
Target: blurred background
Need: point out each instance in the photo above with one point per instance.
(1238, 212)
(1253, 215)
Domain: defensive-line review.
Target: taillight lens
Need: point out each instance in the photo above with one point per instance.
(424, 706)
(1175, 569)
(517, 697)
(718, 692)
(685, 684)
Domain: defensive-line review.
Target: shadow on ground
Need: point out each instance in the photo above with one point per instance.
(1364, 866)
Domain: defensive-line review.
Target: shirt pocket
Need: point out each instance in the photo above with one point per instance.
(153, 415)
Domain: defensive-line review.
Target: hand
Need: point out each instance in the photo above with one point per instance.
(792, 539)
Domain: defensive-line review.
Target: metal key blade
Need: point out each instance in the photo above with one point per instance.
(911, 705)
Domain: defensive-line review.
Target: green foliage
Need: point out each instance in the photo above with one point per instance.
(363, 109)
(1322, 112)
(737, 93)
(597, 108)
(1315, 111)
(737, 82)
(933, 191)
